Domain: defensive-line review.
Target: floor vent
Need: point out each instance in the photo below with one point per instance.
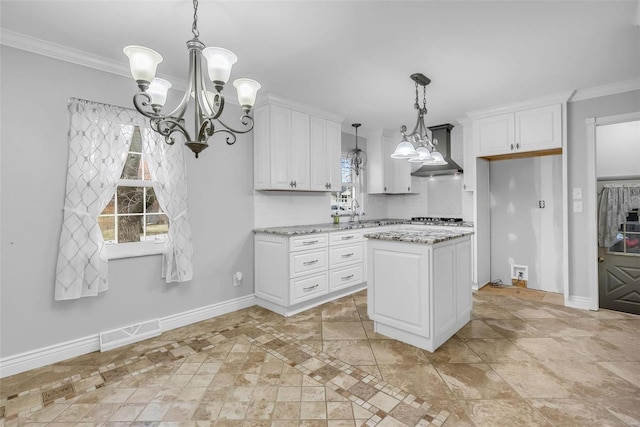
(129, 334)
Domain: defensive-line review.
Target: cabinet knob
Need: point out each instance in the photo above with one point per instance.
(329, 185)
(408, 188)
(464, 186)
(295, 183)
(517, 145)
(511, 147)
(385, 188)
(290, 183)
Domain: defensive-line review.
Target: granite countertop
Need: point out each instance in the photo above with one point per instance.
(328, 227)
(429, 237)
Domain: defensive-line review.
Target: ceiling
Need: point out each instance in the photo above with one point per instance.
(354, 58)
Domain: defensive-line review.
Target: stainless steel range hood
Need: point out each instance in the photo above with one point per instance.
(443, 134)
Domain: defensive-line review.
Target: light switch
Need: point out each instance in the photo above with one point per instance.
(577, 193)
(577, 206)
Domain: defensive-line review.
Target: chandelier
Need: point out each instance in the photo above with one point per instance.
(208, 105)
(357, 157)
(425, 152)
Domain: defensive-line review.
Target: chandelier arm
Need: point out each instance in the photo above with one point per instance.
(231, 139)
(167, 127)
(246, 120)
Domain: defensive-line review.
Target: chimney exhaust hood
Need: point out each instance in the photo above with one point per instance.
(443, 134)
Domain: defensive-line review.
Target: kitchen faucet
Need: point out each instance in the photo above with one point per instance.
(354, 210)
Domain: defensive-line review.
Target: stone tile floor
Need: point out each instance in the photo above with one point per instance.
(523, 360)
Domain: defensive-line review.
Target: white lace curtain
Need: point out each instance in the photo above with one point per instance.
(616, 201)
(99, 138)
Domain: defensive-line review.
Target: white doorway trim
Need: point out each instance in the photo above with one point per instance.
(591, 201)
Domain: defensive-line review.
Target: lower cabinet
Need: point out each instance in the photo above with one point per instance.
(295, 273)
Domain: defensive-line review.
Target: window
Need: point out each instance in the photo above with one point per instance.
(341, 201)
(628, 238)
(133, 215)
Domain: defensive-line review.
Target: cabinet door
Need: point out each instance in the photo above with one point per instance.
(469, 155)
(262, 148)
(300, 150)
(375, 164)
(494, 135)
(539, 128)
(334, 150)
(281, 149)
(388, 164)
(319, 176)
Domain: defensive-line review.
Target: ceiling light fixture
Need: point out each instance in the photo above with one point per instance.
(357, 157)
(208, 106)
(426, 152)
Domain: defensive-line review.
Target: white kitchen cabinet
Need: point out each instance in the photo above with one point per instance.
(469, 155)
(325, 148)
(295, 273)
(296, 147)
(519, 132)
(384, 174)
(418, 293)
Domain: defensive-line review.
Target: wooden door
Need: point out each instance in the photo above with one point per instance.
(619, 282)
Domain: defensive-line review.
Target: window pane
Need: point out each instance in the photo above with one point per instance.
(157, 225)
(136, 141)
(111, 207)
(129, 228)
(130, 199)
(107, 225)
(345, 167)
(152, 203)
(132, 167)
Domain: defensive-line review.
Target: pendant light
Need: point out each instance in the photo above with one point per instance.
(357, 157)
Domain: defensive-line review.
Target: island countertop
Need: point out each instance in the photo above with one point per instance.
(428, 237)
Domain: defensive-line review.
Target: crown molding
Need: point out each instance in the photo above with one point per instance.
(74, 56)
(558, 98)
(610, 89)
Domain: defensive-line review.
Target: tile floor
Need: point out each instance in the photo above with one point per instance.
(523, 360)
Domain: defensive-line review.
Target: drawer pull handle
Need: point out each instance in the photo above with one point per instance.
(347, 255)
(347, 277)
(310, 242)
(347, 237)
(310, 288)
(310, 262)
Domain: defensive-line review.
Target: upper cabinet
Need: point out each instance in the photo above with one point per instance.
(295, 147)
(384, 174)
(528, 128)
(325, 154)
(468, 155)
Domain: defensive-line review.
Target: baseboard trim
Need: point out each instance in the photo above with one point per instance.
(12, 365)
(581, 302)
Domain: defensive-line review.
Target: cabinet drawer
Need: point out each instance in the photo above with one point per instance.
(308, 241)
(308, 287)
(345, 255)
(307, 262)
(346, 237)
(344, 277)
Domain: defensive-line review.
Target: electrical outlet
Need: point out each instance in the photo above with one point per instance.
(541, 204)
(577, 193)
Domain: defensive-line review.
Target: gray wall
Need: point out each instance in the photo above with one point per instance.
(578, 112)
(522, 233)
(33, 158)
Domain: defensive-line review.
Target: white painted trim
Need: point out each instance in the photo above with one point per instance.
(580, 302)
(565, 202)
(559, 98)
(203, 313)
(592, 302)
(37, 358)
(610, 89)
(22, 362)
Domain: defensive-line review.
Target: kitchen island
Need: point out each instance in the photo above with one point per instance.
(419, 284)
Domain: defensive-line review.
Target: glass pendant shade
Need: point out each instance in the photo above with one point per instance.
(404, 150)
(143, 62)
(219, 63)
(158, 89)
(247, 91)
(423, 155)
(437, 159)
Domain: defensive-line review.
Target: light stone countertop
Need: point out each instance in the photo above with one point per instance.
(328, 227)
(428, 237)
(295, 230)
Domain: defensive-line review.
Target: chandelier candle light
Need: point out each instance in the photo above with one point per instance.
(426, 152)
(357, 157)
(208, 106)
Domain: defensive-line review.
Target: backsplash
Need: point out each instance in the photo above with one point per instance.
(282, 208)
